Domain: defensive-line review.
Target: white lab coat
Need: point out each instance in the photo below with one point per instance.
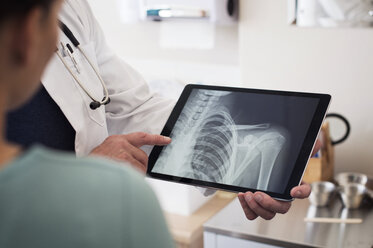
(132, 108)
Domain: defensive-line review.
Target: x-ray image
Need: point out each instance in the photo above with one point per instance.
(215, 140)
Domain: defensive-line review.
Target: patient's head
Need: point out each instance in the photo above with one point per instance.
(28, 36)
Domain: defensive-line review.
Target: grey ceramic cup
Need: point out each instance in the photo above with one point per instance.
(321, 194)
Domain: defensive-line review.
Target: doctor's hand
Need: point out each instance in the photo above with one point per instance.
(126, 148)
(259, 204)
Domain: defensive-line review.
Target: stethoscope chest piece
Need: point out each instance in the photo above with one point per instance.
(95, 105)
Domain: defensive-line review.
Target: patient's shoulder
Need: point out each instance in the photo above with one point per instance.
(64, 170)
(47, 196)
(107, 170)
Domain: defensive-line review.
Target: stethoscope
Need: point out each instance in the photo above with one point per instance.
(67, 49)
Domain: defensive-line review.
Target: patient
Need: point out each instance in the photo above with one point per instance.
(47, 198)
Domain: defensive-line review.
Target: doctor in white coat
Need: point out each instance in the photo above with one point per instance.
(132, 107)
(129, 121)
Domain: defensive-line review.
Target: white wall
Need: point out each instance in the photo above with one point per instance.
(140, 44)
(336, 61)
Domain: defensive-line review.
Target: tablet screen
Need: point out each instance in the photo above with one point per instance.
(242, 138)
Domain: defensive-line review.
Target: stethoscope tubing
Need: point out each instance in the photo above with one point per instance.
(96, 103)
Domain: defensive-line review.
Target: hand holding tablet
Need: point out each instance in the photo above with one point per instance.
(240, 139)
(260, 204)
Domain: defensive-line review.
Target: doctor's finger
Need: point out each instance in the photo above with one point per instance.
(302, 191)
(271, 204)
(141, 139)
(137, 154)
(250, 215)
(130, 159)
(254, 203)
(316, 148)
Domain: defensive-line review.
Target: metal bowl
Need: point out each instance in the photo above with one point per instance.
(369, 186)
(321, 194)
(352, 194)
(350, 177)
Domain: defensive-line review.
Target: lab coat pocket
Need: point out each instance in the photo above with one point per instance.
(90, 82)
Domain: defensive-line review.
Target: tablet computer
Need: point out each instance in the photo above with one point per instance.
(239, 139)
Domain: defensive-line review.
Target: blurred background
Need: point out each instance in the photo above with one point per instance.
(262, 49)
(297, 45)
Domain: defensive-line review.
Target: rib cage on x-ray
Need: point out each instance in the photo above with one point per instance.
(210, 159)
(208, 145)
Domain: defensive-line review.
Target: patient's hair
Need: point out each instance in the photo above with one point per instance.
(10, 9)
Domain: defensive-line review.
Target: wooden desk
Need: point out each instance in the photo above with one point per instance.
(187, 231)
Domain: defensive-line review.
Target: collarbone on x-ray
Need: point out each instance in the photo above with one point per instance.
(208, 145)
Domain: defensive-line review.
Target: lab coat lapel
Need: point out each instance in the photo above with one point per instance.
(70, 98)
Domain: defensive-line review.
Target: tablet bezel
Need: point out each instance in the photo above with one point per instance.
(301, 161)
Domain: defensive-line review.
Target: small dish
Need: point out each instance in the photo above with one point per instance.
(352, 194)
(350, 177)
(321, 194)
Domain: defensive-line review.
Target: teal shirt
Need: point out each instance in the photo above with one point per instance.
(51, 199)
